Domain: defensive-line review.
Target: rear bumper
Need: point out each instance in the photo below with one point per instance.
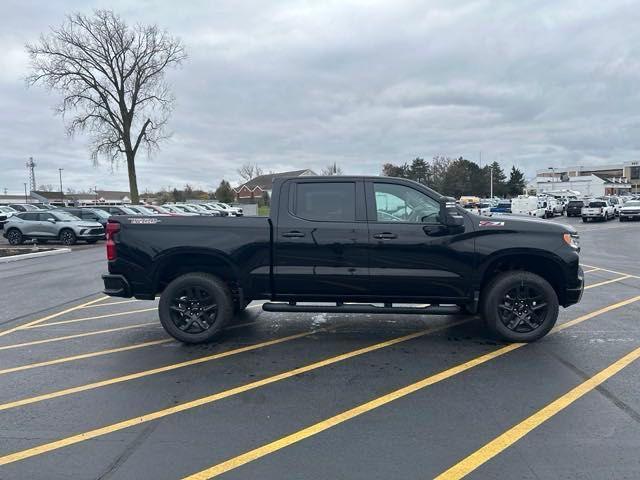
(574, 295)
(116, 286)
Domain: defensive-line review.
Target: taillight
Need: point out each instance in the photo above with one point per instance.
(112, 229)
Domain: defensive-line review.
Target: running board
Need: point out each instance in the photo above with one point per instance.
(360, 308)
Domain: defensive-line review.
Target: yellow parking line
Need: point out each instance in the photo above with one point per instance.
(610, 271)
(515, 433)
(112, 303)
(606, 282)
(48, 447)
(83, 356)
(323, 425)
(101, 352)
(49, 317)
(78, 335)
(76, 320)
(153, 371)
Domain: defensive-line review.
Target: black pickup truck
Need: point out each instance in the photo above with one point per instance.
(363, 244)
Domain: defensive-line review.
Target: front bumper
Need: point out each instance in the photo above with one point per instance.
(630, 216)
(116, 286)
(574, 295)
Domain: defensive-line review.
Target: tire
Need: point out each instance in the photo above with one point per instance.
(14, 236)
(533, 323)
(622, 219)
(67, 237)
(585, 220)
(195, 293)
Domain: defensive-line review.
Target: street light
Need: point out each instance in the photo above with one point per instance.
(25, 193)
(61, 194)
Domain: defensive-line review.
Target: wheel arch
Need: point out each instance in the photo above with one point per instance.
(174, 263)
(540, 262)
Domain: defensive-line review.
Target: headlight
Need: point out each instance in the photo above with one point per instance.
(573, 240)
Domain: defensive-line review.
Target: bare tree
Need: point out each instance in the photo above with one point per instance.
(249, 171)
(111, 77)
(332, 169)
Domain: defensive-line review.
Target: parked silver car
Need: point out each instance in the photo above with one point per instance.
(43, 226)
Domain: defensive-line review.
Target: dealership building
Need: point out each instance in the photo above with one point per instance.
(590, 180)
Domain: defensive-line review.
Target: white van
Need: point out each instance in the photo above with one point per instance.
(526, 205)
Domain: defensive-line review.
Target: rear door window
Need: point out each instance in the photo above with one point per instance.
(326, 201)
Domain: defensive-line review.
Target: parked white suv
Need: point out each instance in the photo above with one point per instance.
(598, 210)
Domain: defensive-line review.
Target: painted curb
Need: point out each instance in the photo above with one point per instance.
(25, 256)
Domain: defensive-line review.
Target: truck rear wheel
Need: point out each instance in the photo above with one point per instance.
(519, 306)
(195, 307)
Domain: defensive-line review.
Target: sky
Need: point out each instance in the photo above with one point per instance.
(301, 84)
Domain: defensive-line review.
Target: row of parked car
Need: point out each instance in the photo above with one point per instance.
(43, 222)
(603, 209)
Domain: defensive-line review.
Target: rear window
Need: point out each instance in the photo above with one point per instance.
(576, 203)
(330, 202)
(597, 204)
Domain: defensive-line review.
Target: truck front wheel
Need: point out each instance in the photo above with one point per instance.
(195, 307)
(519, 306)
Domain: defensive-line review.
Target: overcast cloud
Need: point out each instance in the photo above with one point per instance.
(296, 84)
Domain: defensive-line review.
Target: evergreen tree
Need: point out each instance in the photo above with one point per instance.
(516, 183)
(225, 193)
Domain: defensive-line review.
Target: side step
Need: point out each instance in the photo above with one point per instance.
(360, 308)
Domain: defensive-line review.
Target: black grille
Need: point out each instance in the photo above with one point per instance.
(96, 231)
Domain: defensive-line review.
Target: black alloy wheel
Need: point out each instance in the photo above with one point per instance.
(519, 306)
(193, 309)
(523, 308)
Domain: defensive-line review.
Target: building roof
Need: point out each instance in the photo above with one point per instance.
(107, 195)
(265, 182)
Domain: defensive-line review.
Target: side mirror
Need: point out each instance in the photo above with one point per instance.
(52, 220)
(449, 214)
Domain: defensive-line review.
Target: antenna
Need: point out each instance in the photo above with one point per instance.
(31, 167)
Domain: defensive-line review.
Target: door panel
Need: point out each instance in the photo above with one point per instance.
(46, 228)
(412, 255)
(321, 240)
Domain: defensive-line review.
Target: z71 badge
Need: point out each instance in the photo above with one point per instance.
(144, 220)
(490, 223)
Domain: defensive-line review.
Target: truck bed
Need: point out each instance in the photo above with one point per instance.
(146, 245)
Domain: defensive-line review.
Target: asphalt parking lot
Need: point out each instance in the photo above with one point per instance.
(92, 387)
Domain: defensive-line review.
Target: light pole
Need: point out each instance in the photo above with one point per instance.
(491, 176)
(553, 177)
(61, 194)
(25, 193)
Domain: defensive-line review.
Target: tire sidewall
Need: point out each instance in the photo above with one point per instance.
(215, 287)
(496, 290)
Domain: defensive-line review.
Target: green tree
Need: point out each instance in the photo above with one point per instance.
(419, 171)
(225, 193)
(499, 180)
(516, 183)
(463, 177)
(438, 169)
(391, 170)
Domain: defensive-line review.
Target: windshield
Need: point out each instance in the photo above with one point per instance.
(128, 211)
(144, 210)
(65, 217)
(8, 210)
(632, 203)
(100, 213)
